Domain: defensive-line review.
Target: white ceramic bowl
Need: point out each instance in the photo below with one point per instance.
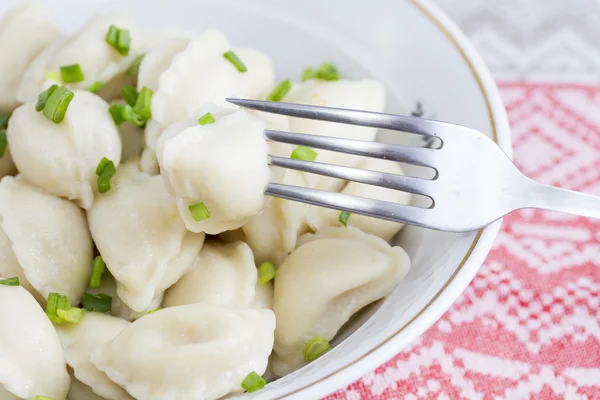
(421, 56)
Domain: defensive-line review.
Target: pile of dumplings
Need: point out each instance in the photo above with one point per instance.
(212, 288)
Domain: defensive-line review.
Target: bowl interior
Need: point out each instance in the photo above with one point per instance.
(393, 41)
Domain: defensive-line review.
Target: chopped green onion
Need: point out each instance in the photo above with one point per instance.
(134, 67)
(304, 153)
(59, 310)
(199, 211)
(72, 73)
(206, 119)
(325, 72)
(154, 310)
(307, 74)
(95, 87)
(72, 315)
(234, 59)
(105, 171)
(112, 36)
(43, 398)
(3, 142)
(57, 104)
(143, 103)
(130, 115)
(315, 348)
(100, 302)
(43, 98)
(117, 112)
(266, 272)
(10, 281)
(52, 76)
(52, 307)
(98, 267)
(344, 215)
(253, 382)
(280, 91)
(130, 95)
(4, 121)
(119, 39)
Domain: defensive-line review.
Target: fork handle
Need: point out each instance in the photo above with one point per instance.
(557, 199)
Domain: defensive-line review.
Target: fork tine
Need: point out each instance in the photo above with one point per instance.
(383, 179)
(357, 205)
(421, 156)
(403, 123)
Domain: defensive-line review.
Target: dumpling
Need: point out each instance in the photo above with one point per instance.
(47, 237)
(272, 234)
(62, 158)
(264, 296)
(31, 358)
(221, 166)
(140, 236)
(157, 60)
(223, 274)
(340, 270)
(366, 95)
(24, 32)
(319, 217)
(196, 351)
(79, 340)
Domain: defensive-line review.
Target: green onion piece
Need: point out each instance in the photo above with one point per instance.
(234, 59)
(154, 310)
(112, 36)
(57, 104)
(95, 87)
(123, 42)
(130, 95)
(143, 103)
(199, 211)
(72, 315)
(98, 267)
(72, 73)
(280, 91)
(43, 98)
(10, 281)
(3, 142)
(4, 121)
(130, 115)
(206, 119)
(100, 302)
(134, 67)
(344, 215)
(63, 303)
(43, 398)
(117, 112)
(105, 171)
(52, 76)
(307, 74)
(52, 307)
(328, 72)
(304, 153)
(266, 272)
(101, 165)
(253, 382)
(315, 348)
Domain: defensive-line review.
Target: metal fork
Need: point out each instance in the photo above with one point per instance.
(475, 182)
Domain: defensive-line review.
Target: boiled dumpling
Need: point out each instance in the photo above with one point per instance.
(223, 274)
(24, 32)
(157, 60)
(221, 166)
(62, 158)
(31, 358)
(47, 237)
(366, 95)
(140, 236)
(319, 217)
(79, 340)
(340, 270)
(192, 352)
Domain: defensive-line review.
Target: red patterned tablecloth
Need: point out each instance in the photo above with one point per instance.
(528, 326)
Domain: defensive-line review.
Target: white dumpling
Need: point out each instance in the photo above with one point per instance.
(140, 236)
(319, 217)
(272, 234)
(31, 358)
(366, 95)
(196, 351)
(263, 297)
(157, 60)
(223, 165)
(223, 274)
(80, 391)
(62, 158)
(24, 32)
(49, 239)
(340, 270)
(79, 340)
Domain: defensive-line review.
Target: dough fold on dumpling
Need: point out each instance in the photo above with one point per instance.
(319, 217)
(222, 165)
(140, 236)
(81, 391)
(45, 236)
(196, 351)
(62, 158)
(222, 274)
(79, 340)
(31, 358)
(340, 271)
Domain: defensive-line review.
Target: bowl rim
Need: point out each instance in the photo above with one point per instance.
(476, 253)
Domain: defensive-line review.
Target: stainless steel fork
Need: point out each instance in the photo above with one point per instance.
(475, 182)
